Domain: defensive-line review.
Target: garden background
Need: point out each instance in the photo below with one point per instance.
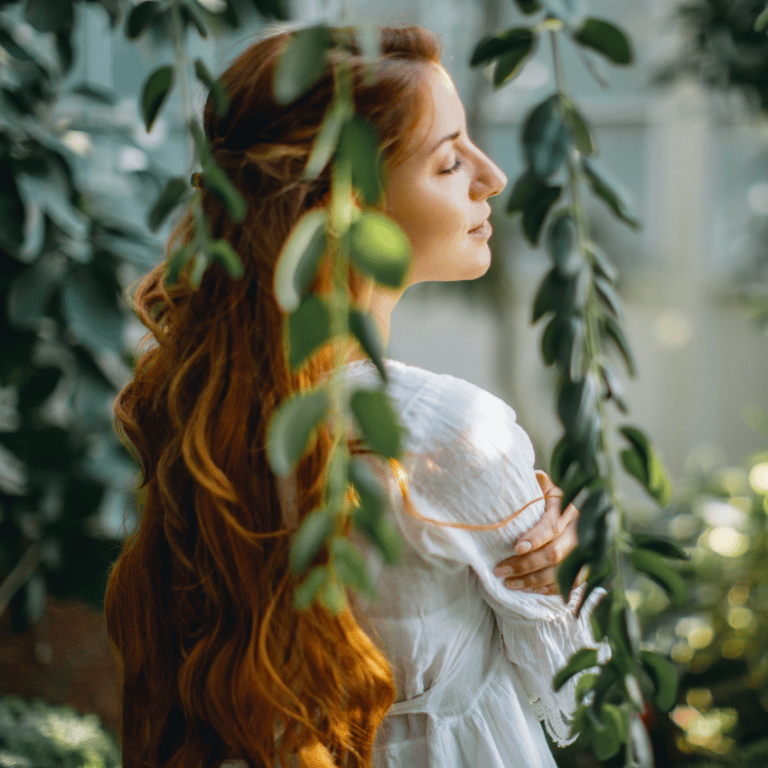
(683, 130)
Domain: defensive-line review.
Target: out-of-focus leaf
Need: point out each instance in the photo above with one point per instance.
(380, 249)
(761, 22)
(612, 330)
(309, 327)
(141, 16)
(363, 328)
(663, 677)
(49, 15)
(494, 46)
(584, 659)
(154, 92)
(191, 16)
(178, 261)
(545, 138)
(215, 179)
(222, 252)
(592, 515)
(608, 739)
(308, 590)
(292, 426)
(94, 92)
(11, 210)
(327, 138)
(30, 294)
(606, 38)
(561, 243)
(614, 387)
(576, 404)
(300, 257)
(569, 569)
(169, 198)
(315, 529)
(528, 6)
(218, 94)
(610, 190)
(359, 145)
(380, 531)
(653, 564)
(608, 295)
(535, 212)
(350, 566)
(578, 127)
(371, 495)
(378, 422)
(272, 9)
(663, 546)
(647, 467)
(301, 63)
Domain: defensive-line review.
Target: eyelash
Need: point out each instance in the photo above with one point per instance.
(455, 167)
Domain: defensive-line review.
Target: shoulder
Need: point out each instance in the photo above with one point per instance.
(440, 409)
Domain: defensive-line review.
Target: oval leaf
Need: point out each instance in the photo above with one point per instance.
(359, 146)
(610, 190)
(309, 327)
(584, 659)
(510, 41)
(545, 138)
(327, 138)
(379, 248)
(363, 327)
(612, 330)
(292, 426)
(215, 179)
(663, 677)
(316, 527)
(299, 259)
(606, 38)
(561, 243)
(536, 210)
(370, 495)
(169, 198)
(378, 421)
(652, 564)
(218, 94)
(308, 590)
(380, 532)
(301, 63)
(222, 252)
(350, 566)
(663, 546)
(154, 93)
(578, 127)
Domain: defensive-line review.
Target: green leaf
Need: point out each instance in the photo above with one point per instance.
(380, 532)
(309, 327)
(635, 465)
(562, 458)
(535, 213)
(649, 469)
(378, 421)
(561, 244)
(215, 179)
(662, 545)
(371, 495)
(359, 145)
(528, 6)
(615, 390)
(610, 190)
(141, 17)
(300, 257)
(573, 483)
(222, 252)
(663, 677)
(218, 94)
(191, 16)
(301, 63)
(274, 9)
(292, 426)
(583, 659)
(327, 138)
(577, 403)
(608, 295)
(12, 212)
(510, 64)
(577, 126)
(761, 22)
(652, 564)
(309, 589)
(608, 739)
(200, 263)
(49, 15)
(494, 46)
(95, 92)
(363, 328)
(569, 570)
(601, 262)
(315, 529)
(169, 198)
(600, 618)
(606, 38)
(201, 143)
(612, 330)
(545, 138)
(178, 261)
(350, 566)
(597, 578)
(592, 516)
(380, 249)
(154, 92)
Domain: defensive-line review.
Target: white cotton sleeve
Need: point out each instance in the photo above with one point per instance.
(469, 462)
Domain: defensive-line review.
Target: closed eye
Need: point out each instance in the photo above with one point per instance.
(455, 167)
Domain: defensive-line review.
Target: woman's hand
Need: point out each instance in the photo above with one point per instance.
(541, 549)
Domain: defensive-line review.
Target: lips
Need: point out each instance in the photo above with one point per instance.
(484, 230)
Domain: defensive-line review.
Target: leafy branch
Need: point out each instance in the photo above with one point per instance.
(583, 313)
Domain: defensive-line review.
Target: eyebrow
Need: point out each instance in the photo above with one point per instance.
(451, 137)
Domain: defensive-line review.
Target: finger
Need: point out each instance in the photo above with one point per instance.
(552, 554)
(539, 579)
(545, 481)
(547, 528)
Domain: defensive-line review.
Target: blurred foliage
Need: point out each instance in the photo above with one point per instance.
(67, 246)
(719, 638)
(38, 735)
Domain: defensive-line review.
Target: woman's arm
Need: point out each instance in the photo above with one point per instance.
(541, 549)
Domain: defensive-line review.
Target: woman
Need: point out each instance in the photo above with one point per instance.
(217, 665)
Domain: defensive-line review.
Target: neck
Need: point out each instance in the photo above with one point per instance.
(379, 302)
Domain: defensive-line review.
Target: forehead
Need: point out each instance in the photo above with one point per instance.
(442, 112)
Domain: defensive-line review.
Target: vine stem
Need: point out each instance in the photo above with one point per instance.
(592, 346)
(182, 67)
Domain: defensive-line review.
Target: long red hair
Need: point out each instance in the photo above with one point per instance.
(216, 663)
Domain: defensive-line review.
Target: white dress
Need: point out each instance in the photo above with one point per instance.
(472, 661)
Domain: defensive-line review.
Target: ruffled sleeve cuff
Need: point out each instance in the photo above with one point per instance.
(540, 649)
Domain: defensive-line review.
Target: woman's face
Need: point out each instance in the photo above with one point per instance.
(439, 193)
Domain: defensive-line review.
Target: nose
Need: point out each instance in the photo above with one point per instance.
(490, 179)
